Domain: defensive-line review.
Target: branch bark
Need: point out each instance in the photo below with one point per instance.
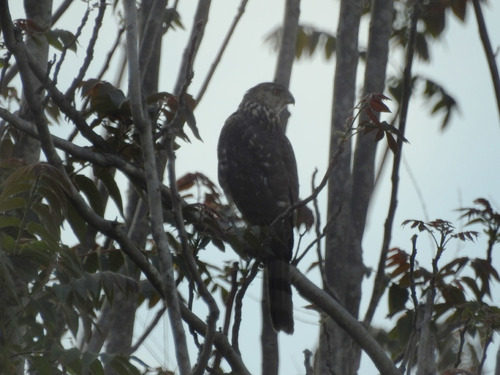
(490, 56)
(143, 124)
(344, 319)
(380, 282)
(342, 257)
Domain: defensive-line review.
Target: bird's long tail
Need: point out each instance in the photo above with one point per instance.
(280, 295)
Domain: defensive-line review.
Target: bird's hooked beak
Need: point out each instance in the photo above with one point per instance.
(291, 99)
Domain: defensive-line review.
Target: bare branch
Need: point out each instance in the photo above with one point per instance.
(380, 282)
(490, 56)
(70, 93)
(200, 21)
(144, 128)
(351, 325)
(222, 48)
(188, 255)
(66, 46)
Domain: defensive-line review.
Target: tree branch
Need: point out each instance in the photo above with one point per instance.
(222, 48)
(380, 282)
(200, 21)
(143, 125)
(344, 319)
(288, 46)
(70, 92)
(490, 56)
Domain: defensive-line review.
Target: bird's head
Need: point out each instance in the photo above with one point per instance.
(271, 95)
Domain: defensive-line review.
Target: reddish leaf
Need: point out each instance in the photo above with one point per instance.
(28, 26)
(186, 182)
(393, 145)
(402, 268)
(379, 135)
(372, 116)
(377, 104)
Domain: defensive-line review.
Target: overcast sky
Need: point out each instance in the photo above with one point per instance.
(450, 169)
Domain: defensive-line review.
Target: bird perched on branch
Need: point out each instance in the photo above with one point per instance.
(258, 172)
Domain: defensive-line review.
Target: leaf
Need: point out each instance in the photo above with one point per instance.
(11, 203)
(300, 43)
(434, 19)
(393, 145)
(61, 39)
(375, 102)
(88, 187)
(77, 223)
(107, 177)
(105, 99)
(330, 46)
(190, 119)
(459, 8)
(397, 299)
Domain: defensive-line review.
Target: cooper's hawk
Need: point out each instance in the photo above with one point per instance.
(258, 172)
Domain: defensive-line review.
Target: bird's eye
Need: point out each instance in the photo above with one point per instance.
(276, 91)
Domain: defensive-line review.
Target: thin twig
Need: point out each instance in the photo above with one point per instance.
(70, 92)
(490, 56)
(229, 309)
(111, 53)
(239, 304)
(200, 21)
(222, 48)
(149, 329)
(67, 46)
(187, 252)
(489, 340)
(463, 331)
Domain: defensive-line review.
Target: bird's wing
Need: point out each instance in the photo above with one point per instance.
(257, 169)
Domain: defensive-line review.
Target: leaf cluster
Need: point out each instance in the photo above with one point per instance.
(458, 291)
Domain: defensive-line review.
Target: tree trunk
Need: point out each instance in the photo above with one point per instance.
(343, 264)
(40, 12)
(118, 320)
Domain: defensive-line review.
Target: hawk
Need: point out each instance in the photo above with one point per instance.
(258, 173)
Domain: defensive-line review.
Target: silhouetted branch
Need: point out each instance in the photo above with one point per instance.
(222, 48)
(380, 280)
(490, 56)
(344, 319)
(143, 125)
(70, 93)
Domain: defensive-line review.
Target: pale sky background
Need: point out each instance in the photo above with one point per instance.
(451, 168)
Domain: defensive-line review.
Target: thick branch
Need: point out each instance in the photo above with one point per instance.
(143, 124)
(351, 325)
(380, 282)
(286, 55)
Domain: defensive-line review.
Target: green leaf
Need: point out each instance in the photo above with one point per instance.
(12, 203)
(88, 187)
(39, 230)
(397, 299)
(61, 39)
(330, 46)
(9, 221)
(106, 175)
(77, 223)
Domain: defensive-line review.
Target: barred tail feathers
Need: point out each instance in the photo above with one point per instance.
(280, 295)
